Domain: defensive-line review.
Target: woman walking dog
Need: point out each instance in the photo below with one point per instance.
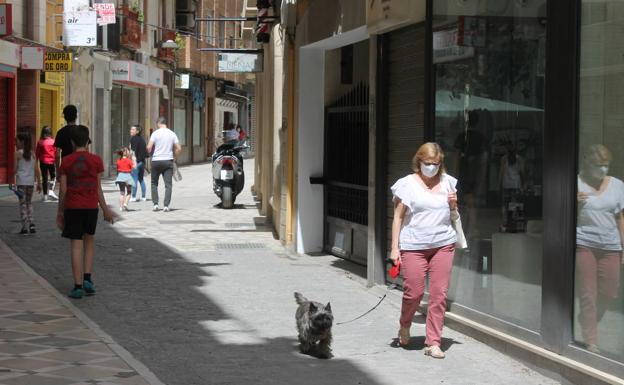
(423, 241)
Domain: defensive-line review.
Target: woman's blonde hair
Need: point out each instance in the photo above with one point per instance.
(597, 153)
(429, 150)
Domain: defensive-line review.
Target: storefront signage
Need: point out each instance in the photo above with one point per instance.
(55, 78)
(446, 48)
(32, 58)
(385, 15)
(240, 62)
(80, 28)
(9, 54)
(156, 77)
(6, 19)
(58, 62)
(105, 13)
(130, 72)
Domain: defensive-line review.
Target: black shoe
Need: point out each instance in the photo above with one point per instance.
(32, 229)
(23, 231)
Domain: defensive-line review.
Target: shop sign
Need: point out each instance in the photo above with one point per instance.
(80, 28)
(58, 62)
(182, 81)
(6, 19)
(105, 13)
(9, 53)
(126, 71)
(385, 15)
(156, 77)
(55, 78)
(32, 58)
(446, 48)
(240, 62)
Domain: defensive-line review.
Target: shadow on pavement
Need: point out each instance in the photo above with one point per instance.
(149, 301)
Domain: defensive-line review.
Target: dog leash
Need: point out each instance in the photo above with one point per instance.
(393, 286)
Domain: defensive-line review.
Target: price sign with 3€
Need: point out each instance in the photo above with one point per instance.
(80, 28)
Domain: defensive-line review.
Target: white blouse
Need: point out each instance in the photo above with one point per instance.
(427, 222)
(596, 225)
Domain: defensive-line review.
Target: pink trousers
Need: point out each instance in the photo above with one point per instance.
(415, 264)
(598, 278)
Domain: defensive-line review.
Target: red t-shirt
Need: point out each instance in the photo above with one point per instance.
(124, 165)
(46, 152)
(81, 169)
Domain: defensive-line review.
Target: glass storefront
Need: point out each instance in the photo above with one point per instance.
(599, 307)
(179, 119)
(127, 109)
(489, 68)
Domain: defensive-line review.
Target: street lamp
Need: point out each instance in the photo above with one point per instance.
(169, 44)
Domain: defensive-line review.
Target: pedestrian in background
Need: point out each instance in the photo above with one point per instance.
(139, 149)
(26, 177)
(46, 154)
(242, 135)
(79, 197)
(166, 147)
(423, 241)
(63, 141)
(125, 181)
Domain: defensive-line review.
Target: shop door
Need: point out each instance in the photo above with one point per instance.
(46, 101)
(346, 176)
(4, 129)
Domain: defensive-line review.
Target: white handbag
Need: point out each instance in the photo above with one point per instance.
(461, 242)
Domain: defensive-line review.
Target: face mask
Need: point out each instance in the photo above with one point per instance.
(602, 171)
(429, 170)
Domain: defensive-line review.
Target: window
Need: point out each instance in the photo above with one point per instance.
(599, 307)
(488, 64)
(179, 119)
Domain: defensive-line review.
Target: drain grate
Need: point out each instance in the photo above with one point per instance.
(238, 225)
(229, 246)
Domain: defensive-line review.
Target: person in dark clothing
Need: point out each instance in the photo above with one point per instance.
(139, 148)
(62, 141)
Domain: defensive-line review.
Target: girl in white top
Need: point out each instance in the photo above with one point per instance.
(599, 240)
(423, 241)
(27, 175)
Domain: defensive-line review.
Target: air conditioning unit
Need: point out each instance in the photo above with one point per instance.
(186, 5)
(141, 57)
(185, 21)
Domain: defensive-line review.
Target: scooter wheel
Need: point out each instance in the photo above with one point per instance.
(227, 197)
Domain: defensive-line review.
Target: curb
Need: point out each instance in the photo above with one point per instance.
(125, 355)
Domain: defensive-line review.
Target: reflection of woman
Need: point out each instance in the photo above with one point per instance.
(424, 240)
(599, 238)
(511, 179)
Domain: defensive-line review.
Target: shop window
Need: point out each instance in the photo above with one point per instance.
(599, 304)
(488, 63)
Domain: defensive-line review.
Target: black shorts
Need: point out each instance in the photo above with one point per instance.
(79, 222)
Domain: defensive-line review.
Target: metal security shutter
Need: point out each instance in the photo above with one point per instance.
(406, 100)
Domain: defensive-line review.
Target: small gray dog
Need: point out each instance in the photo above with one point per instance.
(314, 323)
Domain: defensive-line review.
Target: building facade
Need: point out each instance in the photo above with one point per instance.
(523, 98)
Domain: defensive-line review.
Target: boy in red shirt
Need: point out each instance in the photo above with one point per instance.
(80, 195)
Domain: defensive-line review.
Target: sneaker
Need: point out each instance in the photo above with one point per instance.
(46, 199)
(144, 199)
(166, 209)
(89, 288)
(32, 228)
(434, 351)
(52, 195)
(23, 231)
(155, 208)
(125, 208)
(76, 293)
(133, 200)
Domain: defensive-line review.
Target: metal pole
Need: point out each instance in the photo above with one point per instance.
(234, 18)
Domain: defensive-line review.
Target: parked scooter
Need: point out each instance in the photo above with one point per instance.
(228, 176)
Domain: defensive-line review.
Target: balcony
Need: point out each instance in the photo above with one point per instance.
(131, 28)
(188, 56)
(167, 54)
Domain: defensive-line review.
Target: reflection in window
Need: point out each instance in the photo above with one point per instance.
(599, 308)
(489, 112)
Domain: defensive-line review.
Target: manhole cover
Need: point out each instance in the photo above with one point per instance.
(240, 246)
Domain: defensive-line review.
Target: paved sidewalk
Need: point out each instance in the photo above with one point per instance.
(203, 295)
(45, 340)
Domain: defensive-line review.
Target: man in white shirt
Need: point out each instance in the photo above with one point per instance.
(164, 147)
